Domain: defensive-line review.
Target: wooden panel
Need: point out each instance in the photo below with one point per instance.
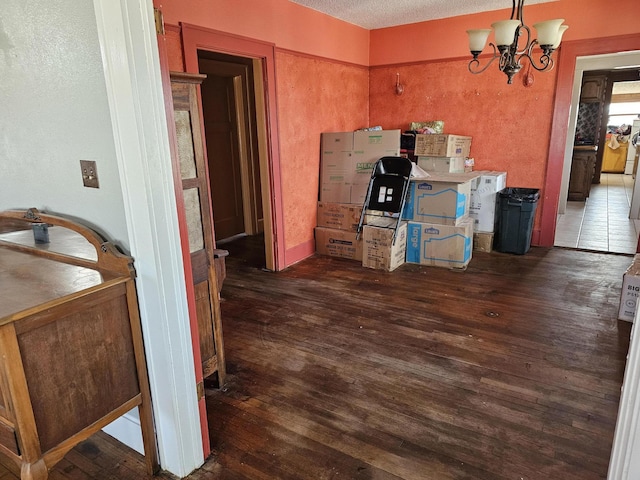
(593, 87)
(205, 327)
(582, 170)
(85, 364)
(8, 438)
(200, 266)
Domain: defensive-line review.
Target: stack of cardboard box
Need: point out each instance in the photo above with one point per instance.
(440, 216)
(347, 160)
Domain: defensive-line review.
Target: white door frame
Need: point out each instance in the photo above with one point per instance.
(131, 64)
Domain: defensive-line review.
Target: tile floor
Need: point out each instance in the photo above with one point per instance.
(602, 222)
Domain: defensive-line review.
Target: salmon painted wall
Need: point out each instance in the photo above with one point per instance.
(281, 22)
(447, 38)
(322, 83)
(510, 124)
(314, 96)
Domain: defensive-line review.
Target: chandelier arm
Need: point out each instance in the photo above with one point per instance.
(475, 61)
(527, 45)
(544, 64)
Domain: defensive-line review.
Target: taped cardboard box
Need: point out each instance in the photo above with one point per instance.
(483, 242)
(338, 243)
(442, 164)
(379, 250)
(442, 199)
(484, 193)
(440, 245)
(341, 216)
(630, 291)
(443, 145)
(347, 160)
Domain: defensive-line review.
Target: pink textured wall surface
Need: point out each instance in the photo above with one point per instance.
(281, 22)
(510, 124)
(314, 96)
(173, 43)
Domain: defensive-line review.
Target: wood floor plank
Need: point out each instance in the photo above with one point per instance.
(509, 370)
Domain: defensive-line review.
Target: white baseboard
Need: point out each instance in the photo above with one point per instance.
(127, 430)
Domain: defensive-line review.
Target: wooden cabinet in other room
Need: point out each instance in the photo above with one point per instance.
(593, 88)
(582, 171)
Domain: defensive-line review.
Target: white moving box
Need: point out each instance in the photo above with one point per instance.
(630, 291)
(484, 195)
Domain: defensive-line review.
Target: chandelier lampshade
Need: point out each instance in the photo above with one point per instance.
(513, 43)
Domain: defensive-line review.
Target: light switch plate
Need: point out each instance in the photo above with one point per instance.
(89, 173)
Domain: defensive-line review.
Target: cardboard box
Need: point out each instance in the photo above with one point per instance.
(347, 160)
(341, 216)
(379, 250)
(442, 164)
(630, 291)
(442, 145)
(442, 199)
(338, 243)
(440, 245)
(484, 192)
(483, 242)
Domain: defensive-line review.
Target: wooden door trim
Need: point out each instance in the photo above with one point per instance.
(569, 52)
(196, 38)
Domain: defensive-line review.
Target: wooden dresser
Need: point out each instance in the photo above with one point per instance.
(71, 350)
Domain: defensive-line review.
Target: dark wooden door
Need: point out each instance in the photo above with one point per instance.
(222, 125)
(195, 191)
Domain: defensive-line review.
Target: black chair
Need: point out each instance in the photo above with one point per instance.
(387, 192)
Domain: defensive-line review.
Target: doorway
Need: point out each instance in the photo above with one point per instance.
(600, 221)
(230, 125)
(597, 214)
(260, 58)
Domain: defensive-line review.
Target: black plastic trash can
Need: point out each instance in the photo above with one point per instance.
(516, 210)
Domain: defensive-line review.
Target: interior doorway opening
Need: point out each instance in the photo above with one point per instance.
(599, 214)
(231, 102)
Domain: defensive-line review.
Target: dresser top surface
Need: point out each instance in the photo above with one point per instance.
(27, 280)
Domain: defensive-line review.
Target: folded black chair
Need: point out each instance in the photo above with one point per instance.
(387, 192)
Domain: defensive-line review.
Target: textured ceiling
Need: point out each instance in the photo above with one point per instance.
(372, 14)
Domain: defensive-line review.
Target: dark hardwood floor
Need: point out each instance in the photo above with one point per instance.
(509, 370)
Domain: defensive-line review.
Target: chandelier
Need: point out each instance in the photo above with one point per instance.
(507, 37)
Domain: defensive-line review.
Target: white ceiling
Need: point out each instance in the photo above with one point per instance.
(372, 14)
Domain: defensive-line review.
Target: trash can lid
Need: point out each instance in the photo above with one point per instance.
(521, 194)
